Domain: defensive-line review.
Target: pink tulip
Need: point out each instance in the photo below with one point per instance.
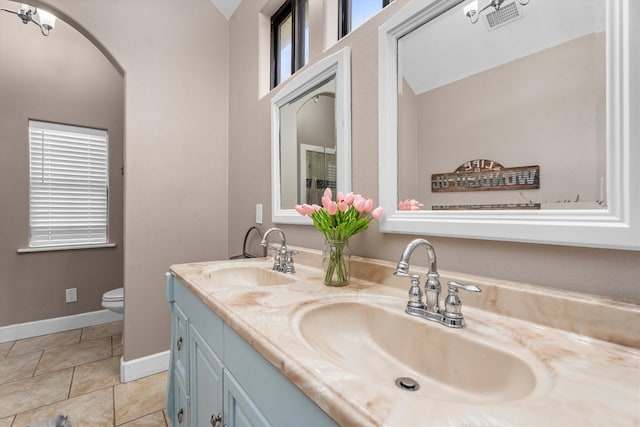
(326, 201)
(305, 209)
(342, 205)
(300, 209)
(377, 213)
(368, 206)
(332, 208)
(349, 198)
(327, 193)
(316, 207)
(359, 204)
(346, 199)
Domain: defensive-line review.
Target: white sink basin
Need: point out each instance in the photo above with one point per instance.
(378, 342)
(249, 275)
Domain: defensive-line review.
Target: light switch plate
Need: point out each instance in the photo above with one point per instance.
(259, 213)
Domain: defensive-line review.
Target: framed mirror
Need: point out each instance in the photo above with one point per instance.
(512, 125)
(311, 137)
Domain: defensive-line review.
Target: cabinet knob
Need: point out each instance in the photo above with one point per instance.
(216, 420)
(180, 416)
(179, 344)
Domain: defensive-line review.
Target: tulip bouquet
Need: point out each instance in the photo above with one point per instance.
(338, 220)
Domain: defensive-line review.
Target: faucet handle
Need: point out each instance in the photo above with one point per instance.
(455, 286)
(288, 266)
(452, 314)
(405, 274)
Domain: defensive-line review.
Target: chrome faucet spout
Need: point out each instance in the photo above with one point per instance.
(403, 266)
(283, 240)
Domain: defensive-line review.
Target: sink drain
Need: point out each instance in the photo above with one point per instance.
(406, 383)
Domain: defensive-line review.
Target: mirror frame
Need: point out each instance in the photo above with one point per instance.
(616, 227)
(337, 65)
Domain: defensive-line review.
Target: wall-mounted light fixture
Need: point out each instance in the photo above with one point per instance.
(27, 13)
(472, 11)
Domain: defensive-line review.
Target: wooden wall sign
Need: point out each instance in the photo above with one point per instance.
(486, 175)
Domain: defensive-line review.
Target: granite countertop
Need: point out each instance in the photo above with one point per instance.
(585, 350)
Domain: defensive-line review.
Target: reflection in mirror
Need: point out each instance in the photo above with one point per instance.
(308, 146)
(515, 119)
(311, 137)
(514, 131)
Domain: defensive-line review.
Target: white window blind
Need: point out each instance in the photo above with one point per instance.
(68, 185)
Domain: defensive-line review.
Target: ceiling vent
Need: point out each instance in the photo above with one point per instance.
(505, 15)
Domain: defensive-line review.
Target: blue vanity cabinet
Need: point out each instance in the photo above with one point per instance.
(194, 390)
(217, 379)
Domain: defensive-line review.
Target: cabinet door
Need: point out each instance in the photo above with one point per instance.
(205, 371)
(240, 411)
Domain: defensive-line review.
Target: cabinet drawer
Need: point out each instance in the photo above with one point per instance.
(180, 344)
(181, 409)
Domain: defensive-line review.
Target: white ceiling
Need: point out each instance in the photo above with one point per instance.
(226, 7)
(450, 48)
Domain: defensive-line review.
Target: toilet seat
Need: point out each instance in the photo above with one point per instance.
(114, 300)
(114, 295)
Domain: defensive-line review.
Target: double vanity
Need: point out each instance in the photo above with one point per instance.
(253, 346)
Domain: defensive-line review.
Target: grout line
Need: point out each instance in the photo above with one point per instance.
(113, 391)
(33, 374)
(73, 376)
(10, 348)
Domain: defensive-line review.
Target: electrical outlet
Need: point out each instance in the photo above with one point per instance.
(71, 295)
(258, 213)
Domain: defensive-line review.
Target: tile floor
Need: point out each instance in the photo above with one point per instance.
(76, 373)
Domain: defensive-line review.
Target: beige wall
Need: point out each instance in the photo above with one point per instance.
(64, 79)
(604, 272)
(175, 206)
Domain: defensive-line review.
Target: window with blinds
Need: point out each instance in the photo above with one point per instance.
(68, 191)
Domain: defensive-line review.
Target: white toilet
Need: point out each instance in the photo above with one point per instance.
(114, 300)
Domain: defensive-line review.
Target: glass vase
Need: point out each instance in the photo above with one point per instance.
(336, 262)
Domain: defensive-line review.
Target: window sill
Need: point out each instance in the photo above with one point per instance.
(65, 248)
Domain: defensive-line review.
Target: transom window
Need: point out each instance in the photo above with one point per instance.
(68, 192)
(353, 13)
(289, 40)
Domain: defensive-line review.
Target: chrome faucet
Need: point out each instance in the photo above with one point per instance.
(430, 309)
(283, 259)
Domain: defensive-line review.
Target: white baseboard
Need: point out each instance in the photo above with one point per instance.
(58, 324)
(144, 366)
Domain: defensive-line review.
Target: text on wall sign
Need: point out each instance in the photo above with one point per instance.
(486, 175)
